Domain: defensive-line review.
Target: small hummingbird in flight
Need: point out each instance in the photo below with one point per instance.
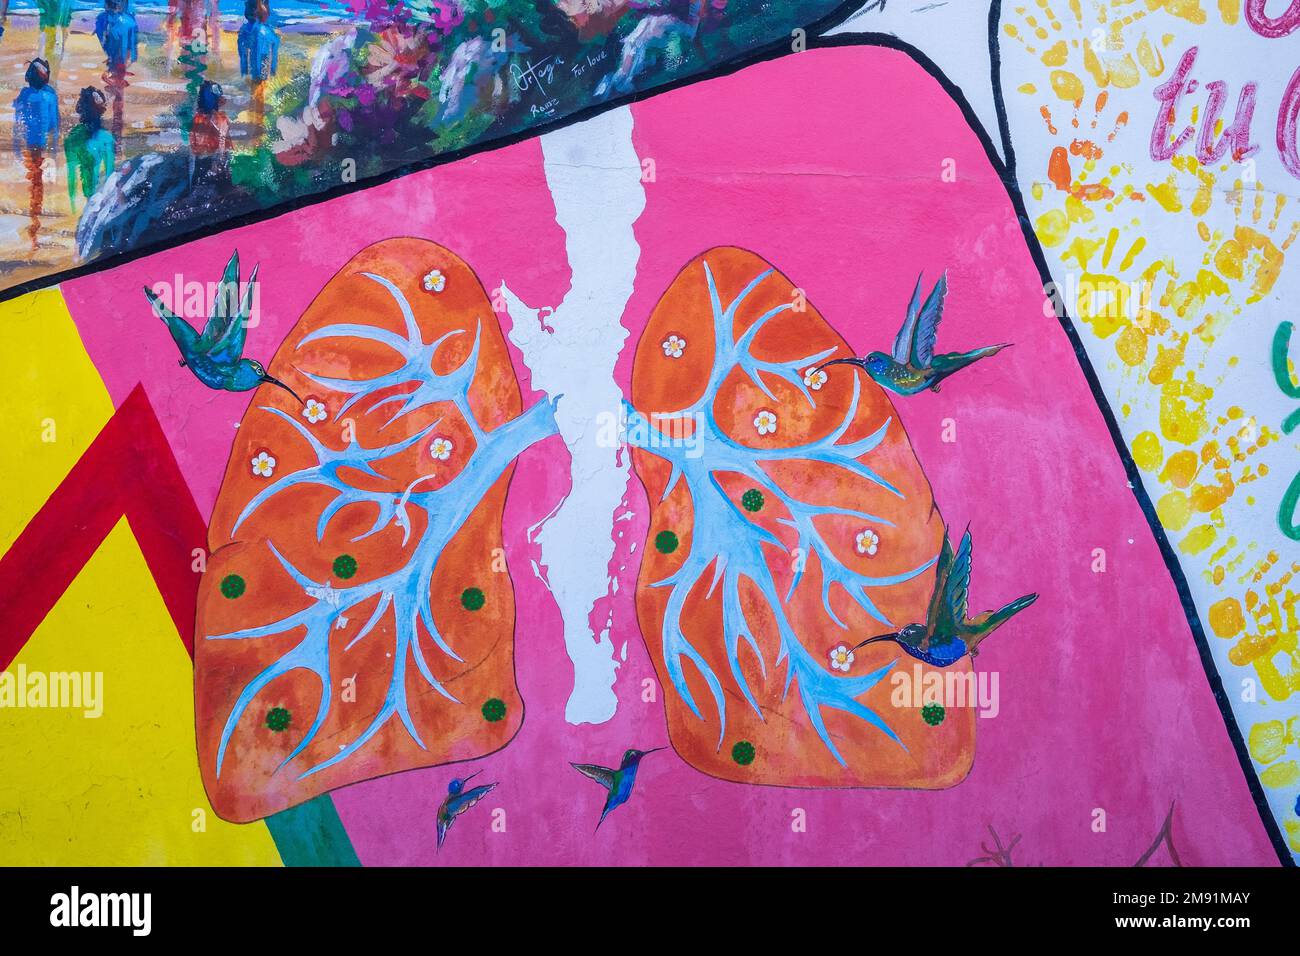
(618, 782)
(913, 367)
(948, 634)
(215, 356)
(458, 801)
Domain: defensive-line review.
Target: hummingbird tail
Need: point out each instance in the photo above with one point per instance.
(182, 333)
(952, 362)
(1001, 616)
(159, 309)
(958, 362)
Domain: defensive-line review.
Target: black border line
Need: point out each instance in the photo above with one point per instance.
(1006, 172)
(760, 54)
(1007, 175)
(1208, 664)
(999, 101)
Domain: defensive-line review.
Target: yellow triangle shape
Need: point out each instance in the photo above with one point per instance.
(122, 788)
(56, 404)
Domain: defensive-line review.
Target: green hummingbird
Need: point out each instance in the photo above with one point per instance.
(913, 367)
(618, 782)
(215, 356)
(948, 634)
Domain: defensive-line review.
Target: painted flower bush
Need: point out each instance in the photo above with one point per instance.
(416, 76)
(414, 79)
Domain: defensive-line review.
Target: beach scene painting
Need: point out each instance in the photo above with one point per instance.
(136, 123)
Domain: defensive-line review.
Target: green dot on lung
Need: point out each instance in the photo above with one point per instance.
(666, 542)
(277, 718)
(472, 599)
(752, 500)
(743, 753)
(232, 586)
(345, 566)
(494, 709)
(933, 714)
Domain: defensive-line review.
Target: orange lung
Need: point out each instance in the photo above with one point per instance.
(246, 585)
(782, 746)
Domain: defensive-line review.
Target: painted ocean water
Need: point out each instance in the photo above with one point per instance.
(285, 9)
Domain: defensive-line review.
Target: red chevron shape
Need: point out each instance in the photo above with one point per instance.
(129, 469)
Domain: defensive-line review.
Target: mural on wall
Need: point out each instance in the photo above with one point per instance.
(1160, 177)
(191, 116)
(658, 447)
(433, 463)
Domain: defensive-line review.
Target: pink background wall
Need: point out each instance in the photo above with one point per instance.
(827, 163)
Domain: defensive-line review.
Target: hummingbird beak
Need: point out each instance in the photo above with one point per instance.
(465, 780)
(839, 361)
(653, 750)
(276, 381)
(873, 640)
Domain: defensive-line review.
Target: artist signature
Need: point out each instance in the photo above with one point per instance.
(535, 75)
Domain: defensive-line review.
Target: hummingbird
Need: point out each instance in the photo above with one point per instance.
(215, 356)
(618, 782)
(913, 367)
(458, 801)
(948, 634)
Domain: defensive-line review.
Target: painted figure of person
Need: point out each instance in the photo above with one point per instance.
(55, 16)
(214, 30)
(210, 131)
(259, 50)
(115, 27)
(88, 147)
(185, 20)
(36, 129)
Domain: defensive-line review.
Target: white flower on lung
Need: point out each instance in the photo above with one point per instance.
(674, 346)
(435, 281)
(868, 541)
(263, 465)
(314, 410)
(841, 659)
(765, 422)
(814, 378)
(440, 448)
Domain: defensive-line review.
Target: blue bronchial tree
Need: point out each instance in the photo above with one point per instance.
(726, 541)
(404, 593)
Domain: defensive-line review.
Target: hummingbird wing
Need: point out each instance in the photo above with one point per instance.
(903, 341)
(182, 332)
(602, 775)
(938, 598)
(957, 588)
(223, 306)
(462, 802)
(228, 349)
(927, 327)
